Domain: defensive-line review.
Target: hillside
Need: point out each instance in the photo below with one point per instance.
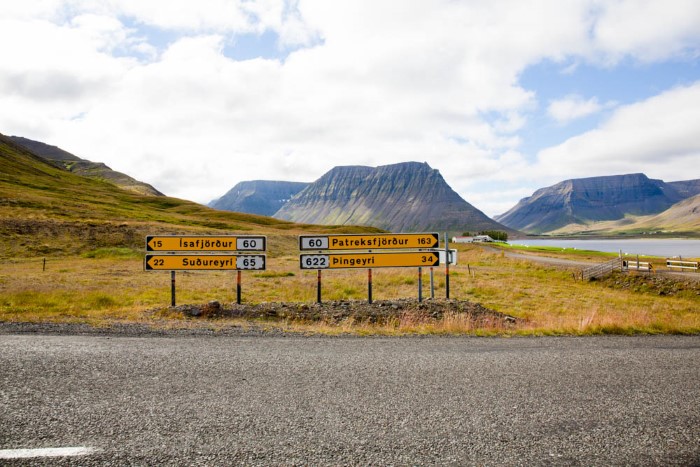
(683, 218)
(686, 188)
(406, 197)
(86, 168)
(574, 204)
(264, 197)
(47, 210)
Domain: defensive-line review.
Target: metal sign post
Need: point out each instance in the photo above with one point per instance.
(420, 284)
(203, 253)
(340, 252)
(447, 269)
(172, 288)
(369, 286)
(238, 287)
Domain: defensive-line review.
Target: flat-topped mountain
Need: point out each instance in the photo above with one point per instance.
(686, 188)
(86, 168)
(406, 197)
(264, 197)
(586, 200)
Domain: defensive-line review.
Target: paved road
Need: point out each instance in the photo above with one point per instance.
(356, 401)
(571, 263)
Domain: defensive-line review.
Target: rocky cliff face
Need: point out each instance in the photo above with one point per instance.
(263, 197)
(686, 188)
(584, 200)
(85, 168)
(406, 197)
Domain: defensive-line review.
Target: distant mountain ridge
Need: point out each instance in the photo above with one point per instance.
(86, 168)
(264, 197)
(404, 197)
(586, 200)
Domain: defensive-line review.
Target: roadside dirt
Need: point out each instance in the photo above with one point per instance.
(656, 284)
(356, 311)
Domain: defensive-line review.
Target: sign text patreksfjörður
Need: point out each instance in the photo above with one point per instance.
(368, 242)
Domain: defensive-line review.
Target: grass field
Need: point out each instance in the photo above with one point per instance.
(92, 236)
(110, 285)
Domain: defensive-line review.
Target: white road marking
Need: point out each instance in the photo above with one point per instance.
(46, 452)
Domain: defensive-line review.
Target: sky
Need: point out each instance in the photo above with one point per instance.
(502, 97)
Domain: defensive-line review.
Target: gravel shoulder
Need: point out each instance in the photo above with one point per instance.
(269, 318)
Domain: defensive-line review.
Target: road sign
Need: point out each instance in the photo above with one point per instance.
(206, 243)
(370, 260)
(203, 262)
(368, 242)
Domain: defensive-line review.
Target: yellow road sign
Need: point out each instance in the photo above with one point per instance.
(206, 243)
(368, 242)
(370, 260)
(203, 262)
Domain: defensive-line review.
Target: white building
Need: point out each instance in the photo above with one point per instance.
(475, 239)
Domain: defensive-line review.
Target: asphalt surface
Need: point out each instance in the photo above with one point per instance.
(233, 400)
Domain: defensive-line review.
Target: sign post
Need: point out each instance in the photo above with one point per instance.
(238, 287)
(203, 254)
(447, 269)
(420, 284)
(172, 288)
(417, 250)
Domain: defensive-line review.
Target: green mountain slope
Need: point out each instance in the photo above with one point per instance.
(47, 210)
(84, 167)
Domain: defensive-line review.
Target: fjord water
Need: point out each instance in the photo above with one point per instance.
(638, 246)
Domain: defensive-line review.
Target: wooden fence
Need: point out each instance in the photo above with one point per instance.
(602, 269)
(637, 265)
(674, 264)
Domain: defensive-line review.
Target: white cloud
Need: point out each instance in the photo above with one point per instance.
(573, 107)
(658, 136)
(375, 84)
(648, 30)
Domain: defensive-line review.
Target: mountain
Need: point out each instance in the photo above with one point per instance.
(686, 188)
(585, 200)
(264, 197)
(47, 210)
(682, 216)
(85, 167)
(405, 197)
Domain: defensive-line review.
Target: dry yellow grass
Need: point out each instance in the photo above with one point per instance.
(550, 301)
